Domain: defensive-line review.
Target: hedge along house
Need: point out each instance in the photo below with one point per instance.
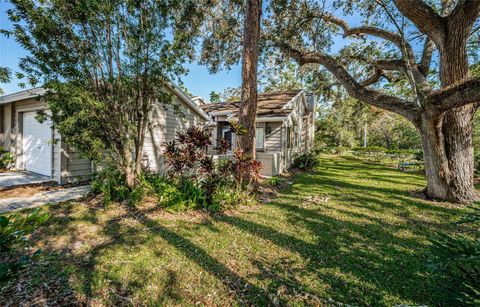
(39, 149)
(285, 127)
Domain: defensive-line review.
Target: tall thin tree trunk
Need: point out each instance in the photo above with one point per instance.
(248, 106)
(131, 177)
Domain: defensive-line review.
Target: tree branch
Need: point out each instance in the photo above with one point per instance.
(383, 64)
(426, 59)
(374, 31)
(353, 88)
(377, 75)
(390, 64)
(456, 95)
(424, 18)
(408, 65)
(464, 15)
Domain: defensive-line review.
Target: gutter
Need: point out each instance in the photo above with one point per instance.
(25, 94)
(263, 119)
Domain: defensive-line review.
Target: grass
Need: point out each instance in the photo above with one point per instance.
(350, 232)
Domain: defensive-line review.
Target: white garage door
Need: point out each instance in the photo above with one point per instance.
(37, 145)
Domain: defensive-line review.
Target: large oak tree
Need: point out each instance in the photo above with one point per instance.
(441, 104)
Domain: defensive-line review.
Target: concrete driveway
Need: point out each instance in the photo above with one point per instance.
(10, 179)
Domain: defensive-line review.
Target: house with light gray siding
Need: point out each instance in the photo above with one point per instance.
(284, 127)
(38, 148)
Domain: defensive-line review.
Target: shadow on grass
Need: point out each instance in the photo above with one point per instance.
(117, 235)
(350, 251)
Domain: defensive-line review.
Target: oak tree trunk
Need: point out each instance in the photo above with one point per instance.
(248, 106)
(448, 137)
(448, 152)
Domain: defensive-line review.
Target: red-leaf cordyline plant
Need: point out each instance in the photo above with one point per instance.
(223, 145)
(188, 161)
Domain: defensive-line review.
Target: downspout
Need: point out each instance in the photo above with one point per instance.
(52, 163)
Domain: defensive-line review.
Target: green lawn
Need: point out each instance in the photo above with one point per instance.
(364, 241)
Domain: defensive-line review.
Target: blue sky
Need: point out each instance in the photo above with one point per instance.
(199, 81)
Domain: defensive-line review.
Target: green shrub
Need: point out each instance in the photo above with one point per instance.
(275, 181)
(188, 195)
(305, 161)
(340, 150)
(177, 196)
(113, 185)
(226, 198)
(418, 156)
(456, 259)
(6, 159)
(369, 149)
(380, 154)
(14, 242)
(198, 176)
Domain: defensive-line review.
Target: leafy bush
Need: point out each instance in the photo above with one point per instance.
(188, 196)
(369, 149)
(380, 154)
(243, 165)
(418, 156)
(197, 177)
(275, 181)
(340, 150)
(14, 242)
(113, 185)
(456, 258)
(191, 196)
(223, 145)
(228, 197)
(6, 159)
(305, 161)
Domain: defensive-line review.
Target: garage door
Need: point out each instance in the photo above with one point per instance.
(37, 145)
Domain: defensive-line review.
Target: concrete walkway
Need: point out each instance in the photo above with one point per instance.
(10, 179)
(49, 197)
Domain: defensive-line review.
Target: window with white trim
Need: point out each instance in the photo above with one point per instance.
(260, 138)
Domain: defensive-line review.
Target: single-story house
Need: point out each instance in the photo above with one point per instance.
(284, 126)
(38, 148)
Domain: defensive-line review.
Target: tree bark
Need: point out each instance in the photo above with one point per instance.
(453, 181)
(448, 136)
(130, 174)
(448, 155)
(248, 106)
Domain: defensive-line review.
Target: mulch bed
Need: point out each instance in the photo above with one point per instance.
(28, 190)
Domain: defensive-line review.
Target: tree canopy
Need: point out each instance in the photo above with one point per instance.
(105, 64)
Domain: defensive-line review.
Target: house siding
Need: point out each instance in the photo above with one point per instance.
(57, 157)
(273, 141)
(74, 168)
(7, 125)
(165, 125)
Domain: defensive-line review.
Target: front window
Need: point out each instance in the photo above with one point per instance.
(259, 137)
(290, 137)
